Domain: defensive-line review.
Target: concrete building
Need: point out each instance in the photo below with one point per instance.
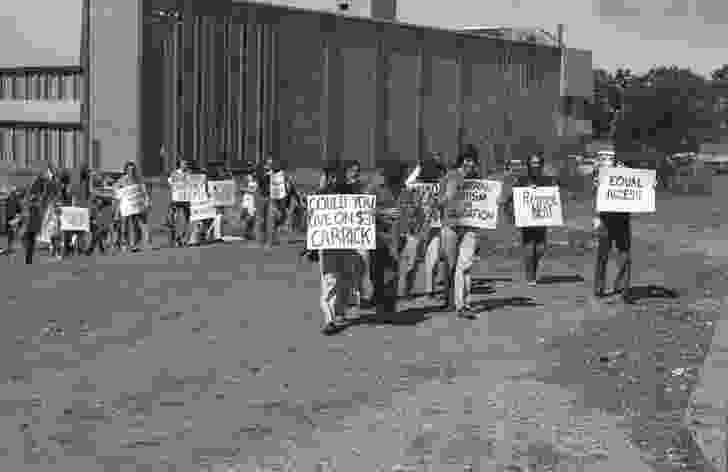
(230, 81)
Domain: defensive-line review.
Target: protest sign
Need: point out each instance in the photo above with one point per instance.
(200, 211)
(132, 199)
(74, 219)
(426, 196)
(222, 192)
(537, 206)
(248, 203)
(626, 190)
(477, 203)
(48, 226)
(180, 190)
(278, 185)
(341, 222)
(197, 185)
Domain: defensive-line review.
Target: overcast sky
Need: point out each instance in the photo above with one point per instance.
(621, 33)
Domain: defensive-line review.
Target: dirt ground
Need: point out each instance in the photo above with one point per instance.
(185, 359)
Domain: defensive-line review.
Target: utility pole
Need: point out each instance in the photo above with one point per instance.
(562, 81)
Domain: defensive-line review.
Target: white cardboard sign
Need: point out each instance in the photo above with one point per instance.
(341, 222)
(537, 206)
(75, 219)
(478, 203)
(625, 190)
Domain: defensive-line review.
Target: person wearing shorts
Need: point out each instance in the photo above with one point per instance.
(533, 239)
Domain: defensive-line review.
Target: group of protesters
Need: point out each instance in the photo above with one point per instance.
(34, 212)
(410, 230)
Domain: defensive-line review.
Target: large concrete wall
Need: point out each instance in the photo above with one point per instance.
(115, 126)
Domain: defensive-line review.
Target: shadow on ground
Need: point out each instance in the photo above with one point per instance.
(560, 279)
(652, 291)
(504, 302)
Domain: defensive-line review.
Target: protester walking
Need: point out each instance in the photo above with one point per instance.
(423, 243)
(31, 221)
(364, 291)
(533, 239)
(178, 217)
(337, 266)
(612, 230)
(392, 223)
(134, 227)
(266, 209)
(460, 243)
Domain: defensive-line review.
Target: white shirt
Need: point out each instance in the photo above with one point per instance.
(414, 175)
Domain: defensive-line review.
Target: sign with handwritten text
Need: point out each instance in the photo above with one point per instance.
(222, 192)
(537, 206)
(341, 222)
(625, 190)
(477, 203)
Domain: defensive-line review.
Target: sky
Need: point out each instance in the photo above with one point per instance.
(636, 34)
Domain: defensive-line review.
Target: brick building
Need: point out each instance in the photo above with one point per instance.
(229, 81)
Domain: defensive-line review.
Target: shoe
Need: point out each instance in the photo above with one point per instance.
(467, 313)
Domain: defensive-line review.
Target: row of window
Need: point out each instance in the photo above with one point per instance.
(61, 147)
(47, 85)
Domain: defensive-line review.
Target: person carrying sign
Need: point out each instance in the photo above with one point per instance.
(266, 208)
(178, 217)
(533, 238)
(612, 229)
(459, 243)
(134, 225)
(423, 241)
(338, 266)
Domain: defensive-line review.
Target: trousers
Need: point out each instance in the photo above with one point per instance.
(417, 250)
(459, 247)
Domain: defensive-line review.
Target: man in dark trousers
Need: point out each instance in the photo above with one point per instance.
(613, 229)
(394, 204)
(533, 238)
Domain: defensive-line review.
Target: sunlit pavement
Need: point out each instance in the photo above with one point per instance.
(213, 355)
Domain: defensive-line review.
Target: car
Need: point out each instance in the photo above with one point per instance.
(718, 164)
(514, 166)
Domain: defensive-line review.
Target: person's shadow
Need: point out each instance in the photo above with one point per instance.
(643, 292)
(560, 279)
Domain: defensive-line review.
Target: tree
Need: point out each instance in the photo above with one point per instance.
(720, 74)
(667, 109)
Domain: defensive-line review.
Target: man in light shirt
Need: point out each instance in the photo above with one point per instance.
(423, 241)
(460, 243)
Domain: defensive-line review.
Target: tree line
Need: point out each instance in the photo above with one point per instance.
(668, 109)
